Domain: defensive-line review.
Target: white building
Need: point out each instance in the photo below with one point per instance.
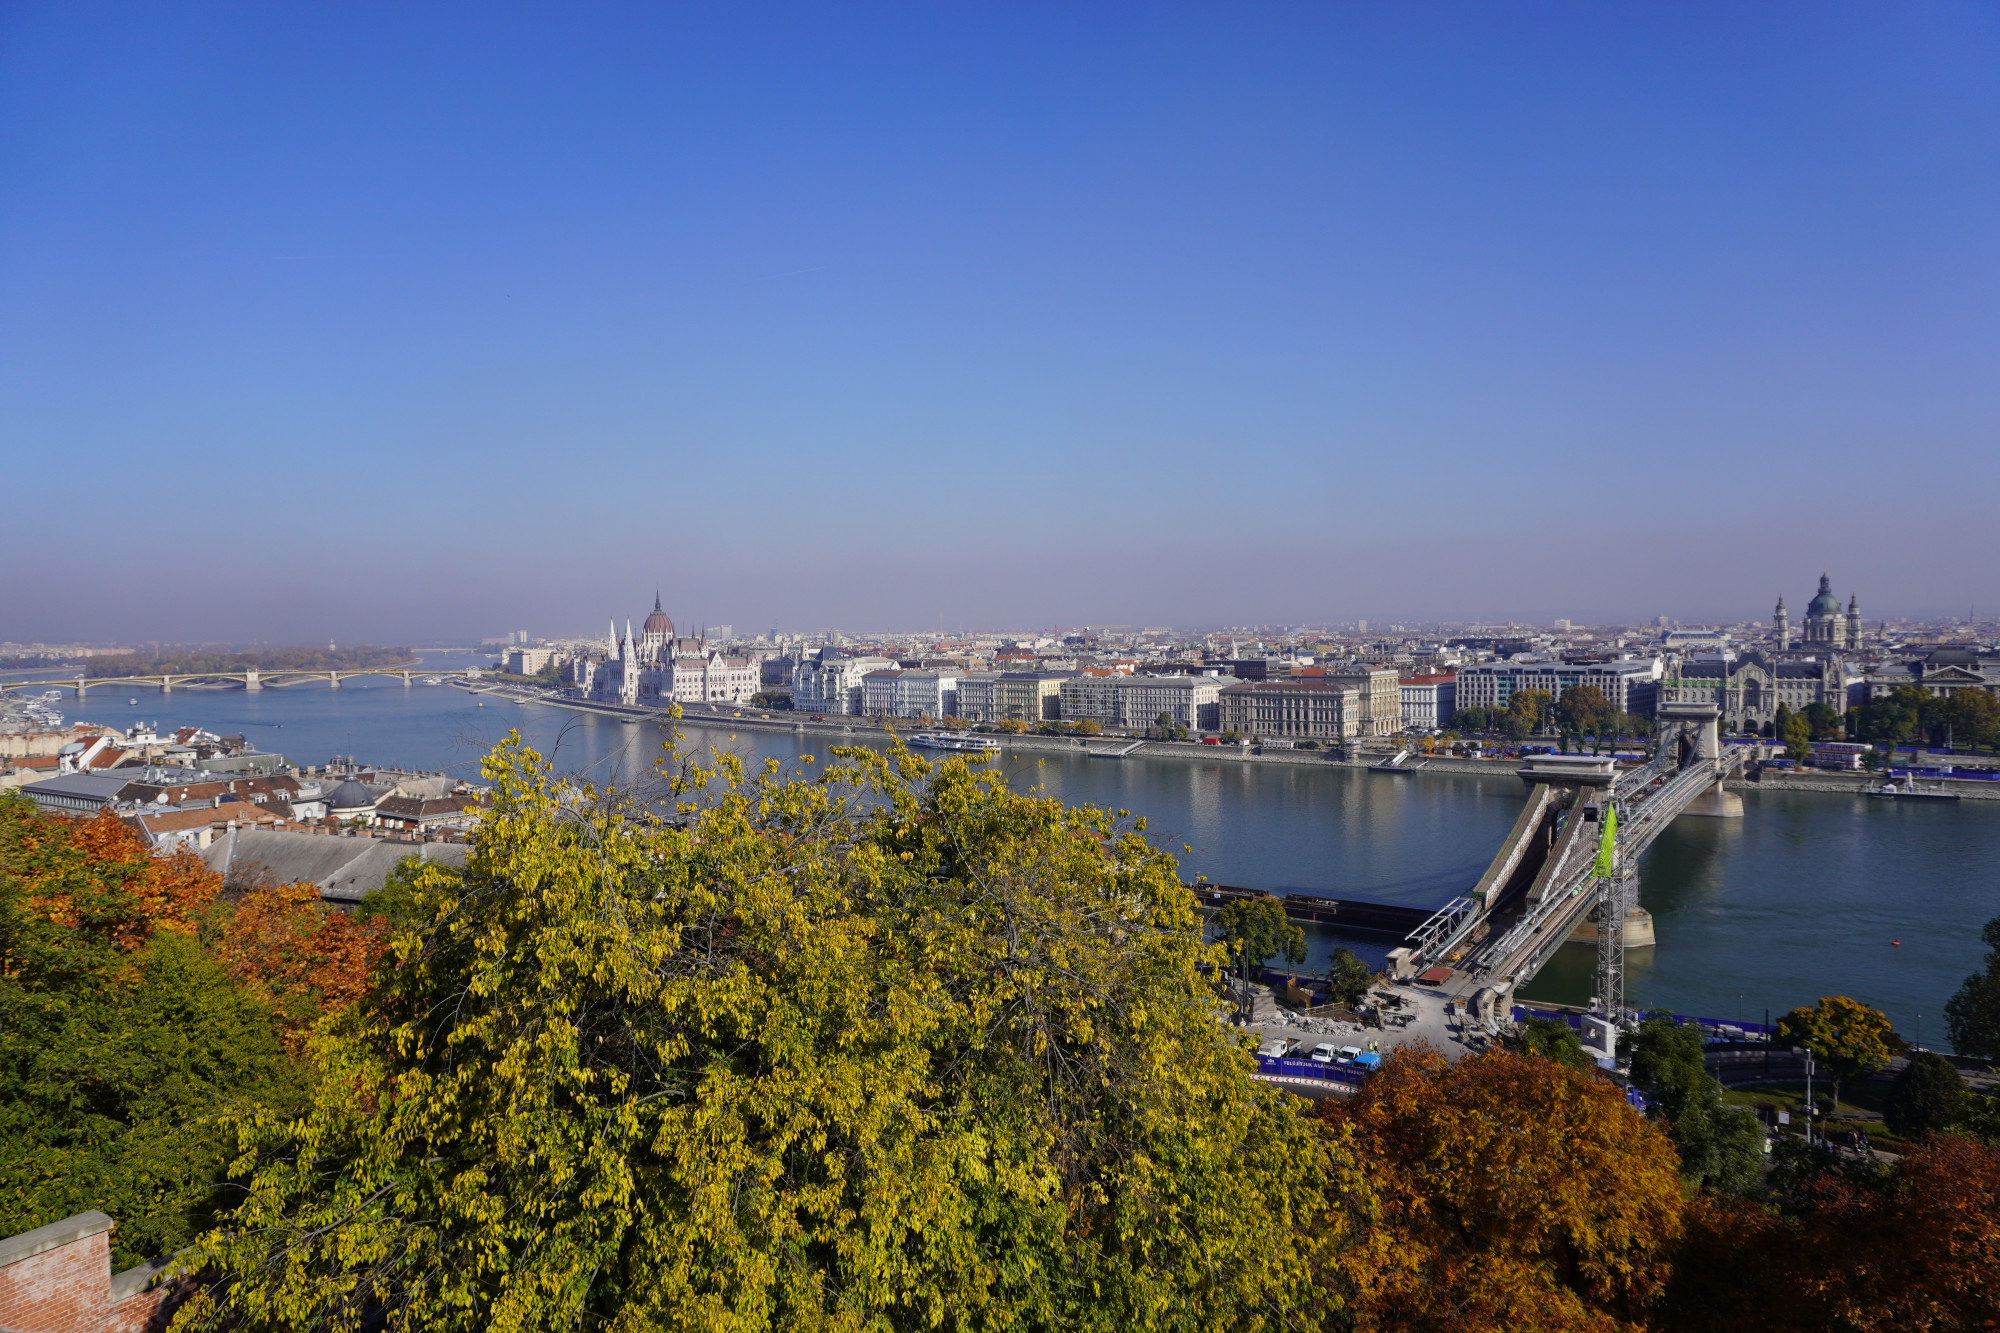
(1428, 700)
(831, 682)
(891, 692)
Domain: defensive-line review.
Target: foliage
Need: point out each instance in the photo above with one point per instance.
(1721, 1147)
(1925, 1096)
(1551, 1039)
(1908, 713)
(281, 944)
(1972, 1014)
(1515, 1193)
(1089, 726)
(1583, 709)
(1013, 726)
(1847, 1037)
(895, 1047)
(1794, 733)
(1916, 1247)
(775, 700)
(1348, 975)
(1529, 709)
(120, 1037)
(1164, 728)
(1979, 1116)
(1256, 930)
(1823, 722)
(197, 661)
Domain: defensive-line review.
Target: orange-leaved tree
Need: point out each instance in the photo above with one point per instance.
(1519, 1194)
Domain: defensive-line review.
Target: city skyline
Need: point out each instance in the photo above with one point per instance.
(417, 324)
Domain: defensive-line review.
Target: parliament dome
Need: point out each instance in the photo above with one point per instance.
(657, 623)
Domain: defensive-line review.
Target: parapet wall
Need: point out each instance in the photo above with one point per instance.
(58, 1279)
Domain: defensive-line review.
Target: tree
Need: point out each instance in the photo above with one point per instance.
(1529, 710)
(1584, 709)
(1515, 1193)
(1551, 1039)
(1926, 1095)
(1823, 722)
(121, 1039)
(1847, 1037)
(1721, 1147)
(892, 1048)
(1795, 733)
(1256, 930)
(1972, 1014)
(1972, 718)
(1164, 728)
(1349, 977)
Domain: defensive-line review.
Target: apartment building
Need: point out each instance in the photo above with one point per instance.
(1029, 696)
(1309, 709)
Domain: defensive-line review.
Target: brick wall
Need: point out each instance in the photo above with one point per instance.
(57, 1279)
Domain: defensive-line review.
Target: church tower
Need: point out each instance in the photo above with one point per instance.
(1853, 622)
(1781, 626)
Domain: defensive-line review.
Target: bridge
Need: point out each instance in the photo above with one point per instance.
(1569, 868)
(251, 679)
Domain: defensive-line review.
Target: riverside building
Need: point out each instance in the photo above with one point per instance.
(1311, 709)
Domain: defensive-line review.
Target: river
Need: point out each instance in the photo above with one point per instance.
(1805, 896)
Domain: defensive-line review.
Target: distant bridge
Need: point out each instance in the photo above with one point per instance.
(250, 679)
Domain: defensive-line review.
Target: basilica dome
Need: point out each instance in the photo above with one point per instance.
(1825, 604)
(657, 623)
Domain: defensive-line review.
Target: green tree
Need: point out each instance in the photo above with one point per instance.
(1721, 1147)
(1847, 1037)
(1795, 733)
(1551, 1039)
(1926, 1095)
(1823, 722)
(1584, 709)
(1972, 718)
(1972, 1015)
(1164, 728)
(1256, 930)
(892, 1048)
(1349, 977)
(120, 1042)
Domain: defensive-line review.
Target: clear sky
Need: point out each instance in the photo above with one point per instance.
(394, 321)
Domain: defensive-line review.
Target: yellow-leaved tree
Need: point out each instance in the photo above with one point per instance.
(889, 1048)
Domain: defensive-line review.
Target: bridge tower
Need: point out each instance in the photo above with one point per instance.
(1694, 729)
(250, 680)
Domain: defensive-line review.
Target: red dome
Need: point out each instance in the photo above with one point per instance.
(657, 623)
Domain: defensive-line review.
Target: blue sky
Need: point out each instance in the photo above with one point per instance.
(374, 321)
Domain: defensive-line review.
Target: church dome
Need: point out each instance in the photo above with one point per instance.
(657, 623)
(350, 796)
(1825, 604)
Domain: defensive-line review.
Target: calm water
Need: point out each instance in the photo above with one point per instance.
(1801, 898)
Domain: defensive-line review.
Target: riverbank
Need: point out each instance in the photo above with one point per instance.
(1859, 784)
(1024, 743)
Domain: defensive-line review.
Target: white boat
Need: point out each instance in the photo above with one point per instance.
(955, 740)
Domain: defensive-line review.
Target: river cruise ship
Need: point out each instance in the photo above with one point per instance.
(955, 740)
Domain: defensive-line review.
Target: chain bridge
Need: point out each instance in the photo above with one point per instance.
(1570, 861)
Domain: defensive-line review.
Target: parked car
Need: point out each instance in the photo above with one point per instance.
(1274, 1049)
(1324, 1053)
(1368, 1060)
(1348, 1055)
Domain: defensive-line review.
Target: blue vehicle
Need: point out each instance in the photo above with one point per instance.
(1368, 1060)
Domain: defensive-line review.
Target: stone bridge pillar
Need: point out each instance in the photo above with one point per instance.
(80, 687)
(333, 680)
(250, 681)
(406, 680)
(1693, 729)
(166, 685)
